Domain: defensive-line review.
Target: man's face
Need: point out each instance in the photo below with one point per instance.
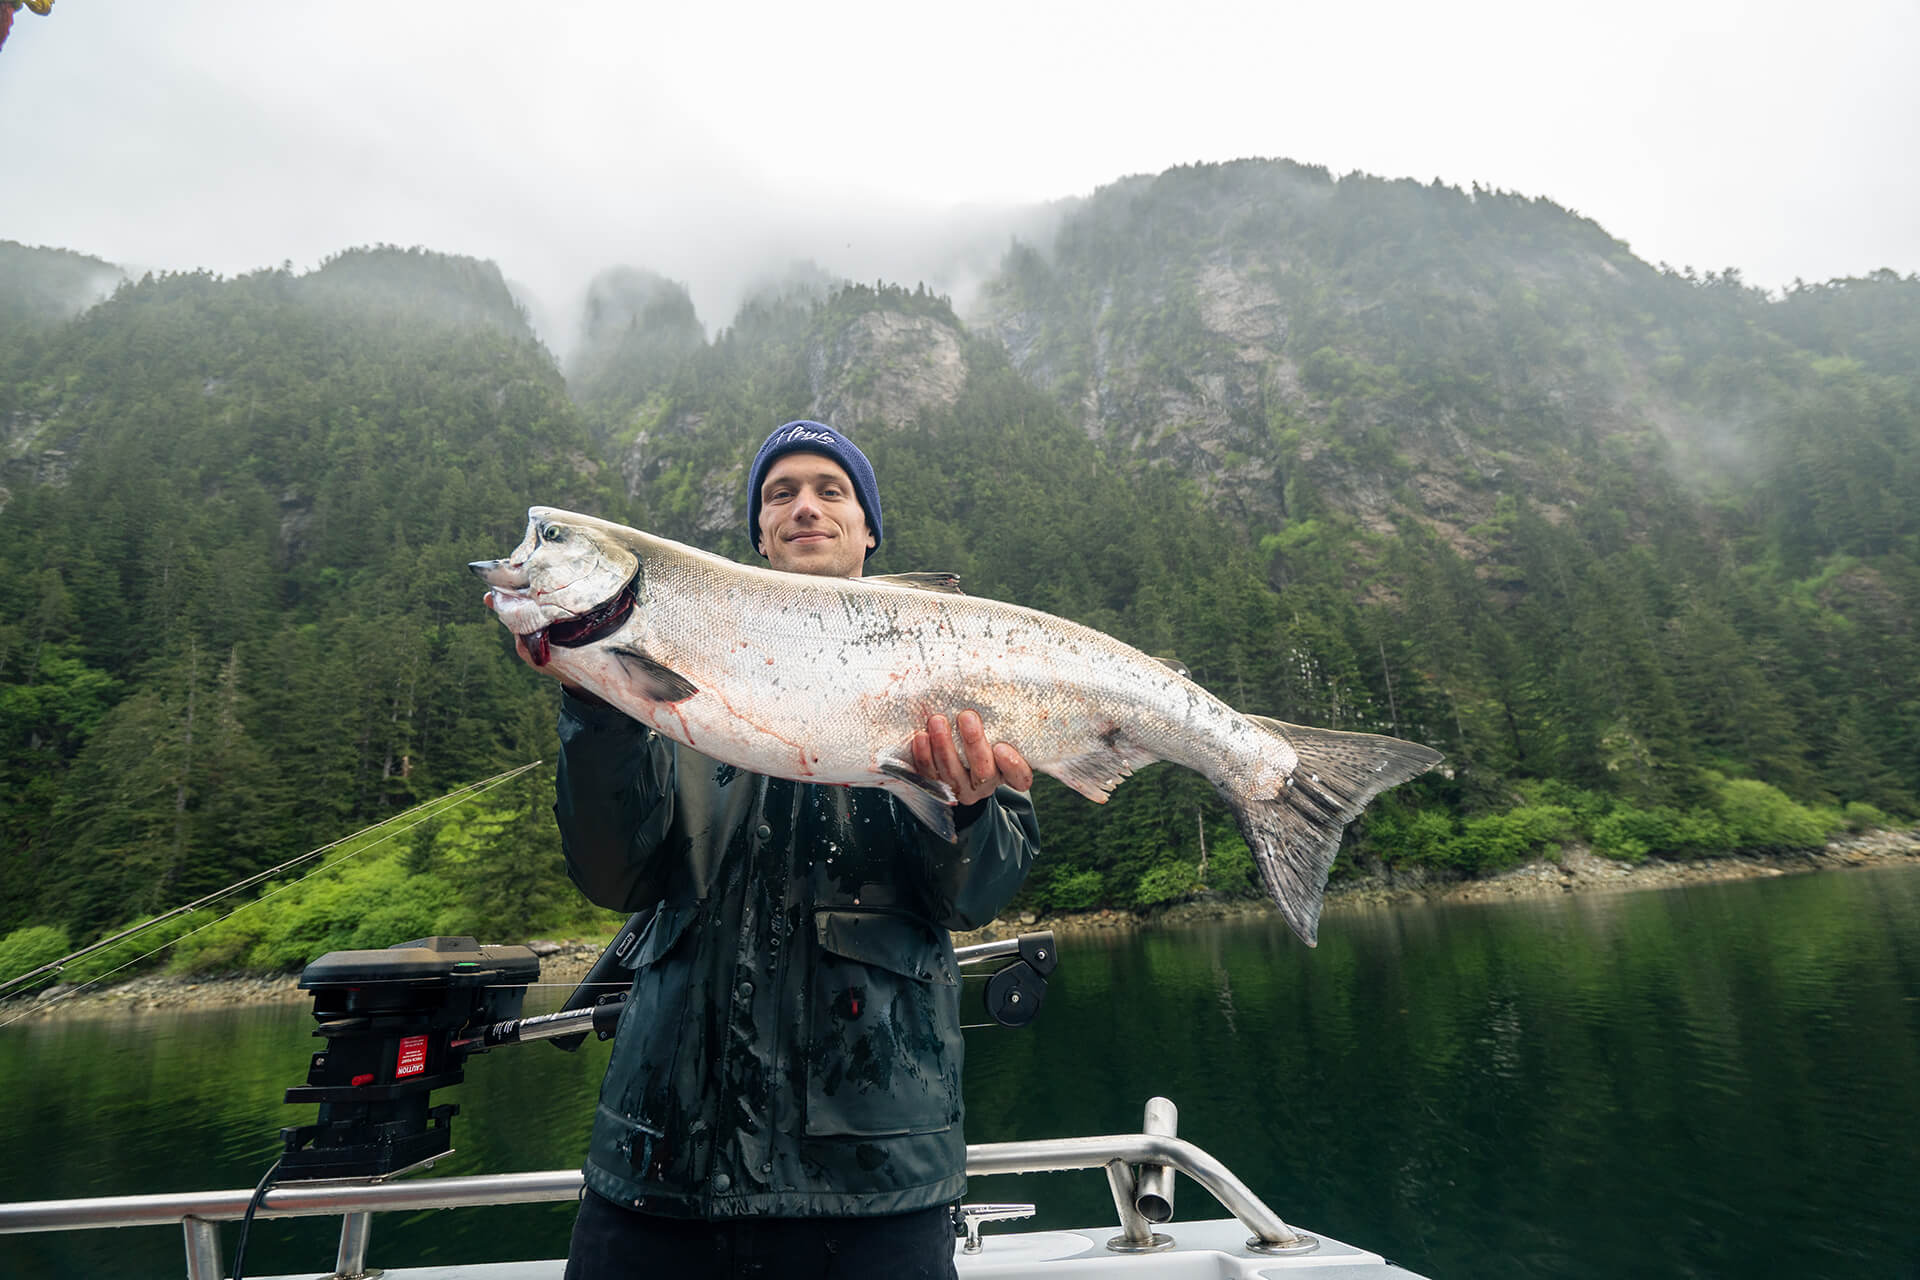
(810, 520)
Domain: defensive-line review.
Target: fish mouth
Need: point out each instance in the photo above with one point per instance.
(504, 574)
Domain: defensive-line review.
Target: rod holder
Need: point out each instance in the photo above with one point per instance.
(1136, 1233)
(1153, 1190)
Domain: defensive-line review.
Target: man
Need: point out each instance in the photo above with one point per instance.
(784, 1093)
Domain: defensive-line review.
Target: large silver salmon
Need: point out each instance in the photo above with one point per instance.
(826, 679)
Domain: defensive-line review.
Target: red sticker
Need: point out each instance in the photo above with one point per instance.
(413, 1057)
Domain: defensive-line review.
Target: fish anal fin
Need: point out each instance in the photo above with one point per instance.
(928, 799)
(945, 583)
(656, 680)
(1094, 774)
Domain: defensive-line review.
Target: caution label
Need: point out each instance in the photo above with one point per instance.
(413, 1057)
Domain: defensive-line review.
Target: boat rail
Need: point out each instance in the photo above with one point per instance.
(1131, 1160)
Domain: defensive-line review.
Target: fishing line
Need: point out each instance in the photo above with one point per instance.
(442, 804)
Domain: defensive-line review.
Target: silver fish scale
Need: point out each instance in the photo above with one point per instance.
(851, 669)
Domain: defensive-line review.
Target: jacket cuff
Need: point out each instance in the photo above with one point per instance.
(965, 815)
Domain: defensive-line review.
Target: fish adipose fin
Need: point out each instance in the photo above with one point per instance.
(658, 682)
(1095, 774)
(1295, 835)
(927, 799)
(946, 583)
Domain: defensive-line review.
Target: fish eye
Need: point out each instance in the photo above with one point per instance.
(552, 533)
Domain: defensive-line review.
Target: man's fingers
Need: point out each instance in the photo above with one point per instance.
(922, 755)
(979, 752)
(946, 757)
(1014, 769)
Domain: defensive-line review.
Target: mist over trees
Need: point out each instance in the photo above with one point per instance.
(1636, 548)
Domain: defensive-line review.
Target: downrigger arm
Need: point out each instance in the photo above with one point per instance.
(399, 1023)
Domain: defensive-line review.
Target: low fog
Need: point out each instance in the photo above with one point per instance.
(720, 146)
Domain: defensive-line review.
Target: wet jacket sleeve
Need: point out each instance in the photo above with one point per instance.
(980, 872)
(614, 792)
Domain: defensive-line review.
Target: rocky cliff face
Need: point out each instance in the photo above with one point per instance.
(1383, 350)
(884, 368)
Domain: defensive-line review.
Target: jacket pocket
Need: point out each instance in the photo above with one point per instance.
(883, 1054)
(654, 1020)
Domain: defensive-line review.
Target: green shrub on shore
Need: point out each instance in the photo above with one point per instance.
(1858, 815)
(1744, 813)
(1762, 817)
(1165, 883)
(1629, 834)
(1489, 842)
(26, 949)
(1074, 891)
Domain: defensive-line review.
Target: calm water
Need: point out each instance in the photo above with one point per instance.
(1716, 1081)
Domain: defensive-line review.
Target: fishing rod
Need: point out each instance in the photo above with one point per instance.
(458, 796)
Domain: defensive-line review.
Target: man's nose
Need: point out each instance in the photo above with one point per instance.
(806, 504)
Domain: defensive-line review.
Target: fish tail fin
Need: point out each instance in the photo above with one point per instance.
(1295, 835)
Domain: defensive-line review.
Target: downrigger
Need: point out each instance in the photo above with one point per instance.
(400, 1023)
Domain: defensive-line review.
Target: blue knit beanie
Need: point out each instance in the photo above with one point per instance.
(814, 437)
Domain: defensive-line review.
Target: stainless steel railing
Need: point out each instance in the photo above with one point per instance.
(197, 1212)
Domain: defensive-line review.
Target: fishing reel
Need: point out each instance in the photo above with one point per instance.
(401, 1023)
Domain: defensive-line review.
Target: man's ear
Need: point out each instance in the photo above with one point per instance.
(872, 541)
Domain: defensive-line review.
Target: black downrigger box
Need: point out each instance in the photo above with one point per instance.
(392, 1020)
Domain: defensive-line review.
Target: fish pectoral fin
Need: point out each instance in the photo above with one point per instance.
(946, 583)
(927, 799)
(1094, 774)
(657, 681)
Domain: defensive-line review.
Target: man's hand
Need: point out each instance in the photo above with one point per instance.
(987, 764)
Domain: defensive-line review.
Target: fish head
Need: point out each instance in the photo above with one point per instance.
(567, 569)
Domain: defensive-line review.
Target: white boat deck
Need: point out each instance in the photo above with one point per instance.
(1212, 1250)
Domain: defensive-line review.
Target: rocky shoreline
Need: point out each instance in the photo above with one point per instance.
(1577, 870)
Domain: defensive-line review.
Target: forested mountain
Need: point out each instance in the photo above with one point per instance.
(1637, 549)
(41, 287)
(239, 511)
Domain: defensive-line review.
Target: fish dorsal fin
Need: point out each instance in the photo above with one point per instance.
(1174, 665)
(946, 583)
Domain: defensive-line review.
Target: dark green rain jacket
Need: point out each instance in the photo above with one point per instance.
(791, 1045)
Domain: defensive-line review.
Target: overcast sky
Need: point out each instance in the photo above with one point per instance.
(713, 142)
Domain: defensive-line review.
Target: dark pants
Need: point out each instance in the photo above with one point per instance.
(610, 1242)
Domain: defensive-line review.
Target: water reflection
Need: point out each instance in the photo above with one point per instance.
(1696, 1082)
